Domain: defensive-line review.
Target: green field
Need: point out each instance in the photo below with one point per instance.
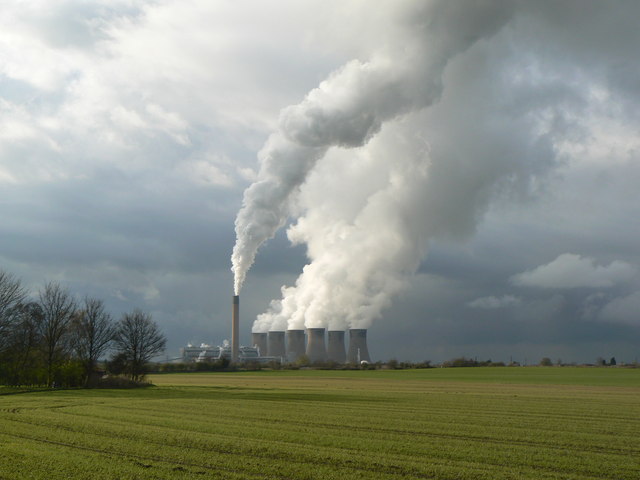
(455, 423)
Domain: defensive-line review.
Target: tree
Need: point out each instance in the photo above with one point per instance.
(613, 361)
(303, 361)
(93, 331)
(58, 309)
(21, 361)
(138, 338)
(546, 362)
(12, 294)
(117, 365)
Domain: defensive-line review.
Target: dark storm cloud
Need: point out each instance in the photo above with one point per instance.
(78, 226)
(121, 172)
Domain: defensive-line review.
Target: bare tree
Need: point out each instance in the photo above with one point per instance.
(22, 360)
(58, 308)
(93, 331)
(138, 339)
(12, 294)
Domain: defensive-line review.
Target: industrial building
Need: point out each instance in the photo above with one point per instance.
(311, 343)
(289, 346)
(208, 353)
(316, 344)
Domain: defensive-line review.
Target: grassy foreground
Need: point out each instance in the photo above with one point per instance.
(465, 423)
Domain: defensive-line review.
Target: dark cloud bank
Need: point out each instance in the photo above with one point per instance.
(460, 178)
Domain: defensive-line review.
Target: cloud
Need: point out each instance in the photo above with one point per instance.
(506, 301)
(573, 271)
(623, 310)
(128, 132)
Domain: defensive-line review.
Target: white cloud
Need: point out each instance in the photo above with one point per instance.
(573, 271)
(204, 172)
(492, 302)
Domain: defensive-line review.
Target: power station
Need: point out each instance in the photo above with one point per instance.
(259, 340)
(335, 346)
(358, 351)
(275, 344)
(295, 345)
(316, 344)
(316, 350)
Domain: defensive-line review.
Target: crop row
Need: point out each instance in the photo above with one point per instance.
(279, 431)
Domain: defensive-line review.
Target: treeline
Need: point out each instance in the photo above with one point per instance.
(470, 362)
(55, 340)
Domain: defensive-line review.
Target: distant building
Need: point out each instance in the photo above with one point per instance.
(208, 353)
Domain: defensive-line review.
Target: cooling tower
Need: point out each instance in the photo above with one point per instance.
(260, 340)
(276, 344)
(235, 328)
(295, 344)
(335, 346)
(358, 346)
(316, 350)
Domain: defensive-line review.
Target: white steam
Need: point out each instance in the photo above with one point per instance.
(349, 108)
(361, 239)
(431, 128)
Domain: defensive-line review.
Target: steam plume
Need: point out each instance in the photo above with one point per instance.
(350, 107)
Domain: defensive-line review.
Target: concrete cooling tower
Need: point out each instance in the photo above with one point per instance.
(316, 350)
(295, 345)
(260, 340)
(358, 351)
(275, 342)
(335, 346)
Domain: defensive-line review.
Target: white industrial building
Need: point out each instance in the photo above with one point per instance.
(209, 353)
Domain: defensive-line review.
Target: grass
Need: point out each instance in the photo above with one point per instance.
(519, 375)
(466, 423)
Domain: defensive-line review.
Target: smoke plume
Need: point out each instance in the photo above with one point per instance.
(426, 137)
(349, 108)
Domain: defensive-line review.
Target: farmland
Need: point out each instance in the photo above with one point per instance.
(465, 423)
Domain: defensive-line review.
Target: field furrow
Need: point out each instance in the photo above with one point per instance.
(312, 426)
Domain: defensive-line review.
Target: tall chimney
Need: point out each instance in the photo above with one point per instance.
(335, 346)
(316, 350)
(295, 344)
(235, 329)
(358, 346)
(276, 344)
(260, 340)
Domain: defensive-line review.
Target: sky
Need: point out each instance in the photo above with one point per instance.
(459, 178)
